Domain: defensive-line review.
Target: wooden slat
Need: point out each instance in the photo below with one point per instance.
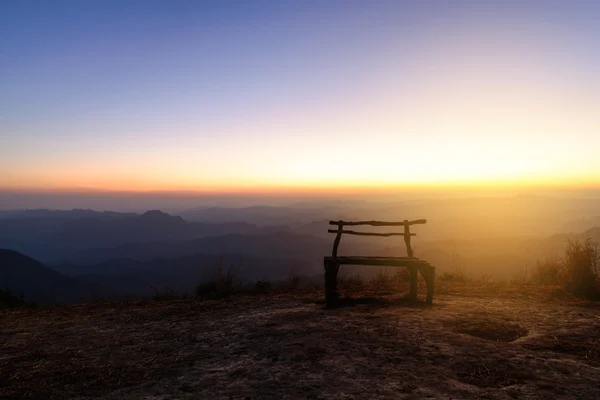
(368, 233)
(378, 223)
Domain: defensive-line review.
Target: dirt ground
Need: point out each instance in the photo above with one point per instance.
(474, 342)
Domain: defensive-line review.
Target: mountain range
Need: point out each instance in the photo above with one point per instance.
(70, 256)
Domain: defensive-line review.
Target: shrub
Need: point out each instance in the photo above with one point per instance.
(221, 285)
(11, 300)
(548, 272)
(262, 286)
(581, 269)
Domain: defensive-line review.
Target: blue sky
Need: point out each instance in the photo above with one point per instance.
(196, 95)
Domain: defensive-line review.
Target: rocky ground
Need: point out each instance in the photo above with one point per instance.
(476, 341)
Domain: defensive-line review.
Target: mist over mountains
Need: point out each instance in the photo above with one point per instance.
(120, 254)
(59, 235)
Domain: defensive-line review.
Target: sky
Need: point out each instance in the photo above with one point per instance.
(298, 95)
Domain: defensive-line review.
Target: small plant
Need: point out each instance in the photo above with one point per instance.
(293, 281)
(382, 279)
(352, 280)
(262, 286)
(458, 274)
(9, 300)
(221, 285)
(447, 277)
(401, 275)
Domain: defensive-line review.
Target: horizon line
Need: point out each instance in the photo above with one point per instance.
(305, 189)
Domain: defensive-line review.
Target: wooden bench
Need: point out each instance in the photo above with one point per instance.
(413, 264)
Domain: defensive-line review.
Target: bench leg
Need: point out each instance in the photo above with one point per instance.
(413, 282)
(428, 273)
(331, 294)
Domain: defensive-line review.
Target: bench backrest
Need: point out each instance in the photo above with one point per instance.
(406, 224)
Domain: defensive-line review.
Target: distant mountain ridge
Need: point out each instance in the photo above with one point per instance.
(277, 244)
(56, 235)
(29, 278)
(75, 213)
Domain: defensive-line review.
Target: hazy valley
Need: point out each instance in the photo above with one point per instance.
(132, 255)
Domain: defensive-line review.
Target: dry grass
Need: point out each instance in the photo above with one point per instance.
(477, 341)
(577, 271)
(581, 262)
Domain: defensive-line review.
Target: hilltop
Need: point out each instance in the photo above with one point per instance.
(477, 341)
